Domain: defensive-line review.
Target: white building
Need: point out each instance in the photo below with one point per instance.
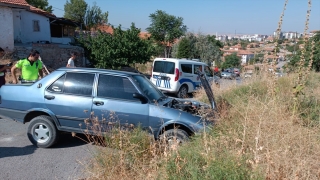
(23, 23)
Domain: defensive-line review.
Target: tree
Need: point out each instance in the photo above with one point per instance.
(203, 47)
(95, 17)
(312, 50)
(41, 4)
(244, 44)
(184, 49)
(122, 48)
(231, 61)
(165, 29)
(75, 10)
(258, 58)
(215, 42)
(208, 48)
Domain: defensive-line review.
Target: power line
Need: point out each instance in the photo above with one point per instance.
(58, 8)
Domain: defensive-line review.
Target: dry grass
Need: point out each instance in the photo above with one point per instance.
(280, 144)
(257, 136)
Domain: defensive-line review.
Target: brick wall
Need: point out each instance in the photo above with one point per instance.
(53, 55)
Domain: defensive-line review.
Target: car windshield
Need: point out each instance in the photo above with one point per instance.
(150, 90)
(208, 71)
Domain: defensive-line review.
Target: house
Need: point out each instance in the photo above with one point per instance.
(236, 47)
(270, 39)
(27, 24)
(245, 56)
(6, 18)
(271, 58)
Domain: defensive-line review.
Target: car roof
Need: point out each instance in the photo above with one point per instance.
(96, 70)
(180, 60)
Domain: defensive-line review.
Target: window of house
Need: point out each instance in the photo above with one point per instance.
(186, 68)
(116, 87)
(36, 26)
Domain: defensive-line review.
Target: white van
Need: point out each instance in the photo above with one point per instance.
(179, 76)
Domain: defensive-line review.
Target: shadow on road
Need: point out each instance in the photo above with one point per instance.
(16, 151)
(66, 140)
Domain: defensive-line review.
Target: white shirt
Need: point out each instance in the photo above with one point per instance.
(71, 62)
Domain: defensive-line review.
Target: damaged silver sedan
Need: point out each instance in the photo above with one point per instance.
(66, 99)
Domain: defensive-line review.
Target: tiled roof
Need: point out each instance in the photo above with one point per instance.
(29, 7)
(243, 52)
(105, 28)
(40, 11)
(144, 35)
(314, 31)
(15, 2)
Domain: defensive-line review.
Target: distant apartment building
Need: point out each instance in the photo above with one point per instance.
(222, 38)
(278, 35)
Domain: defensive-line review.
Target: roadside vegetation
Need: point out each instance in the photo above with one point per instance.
(256, 136)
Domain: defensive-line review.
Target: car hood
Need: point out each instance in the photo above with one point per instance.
(190, 105)
(206, 86)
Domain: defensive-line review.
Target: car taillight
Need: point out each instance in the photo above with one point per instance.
(176, 78)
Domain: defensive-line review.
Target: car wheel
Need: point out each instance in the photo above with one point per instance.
(174, 137)
(183, 92)
(42, 132)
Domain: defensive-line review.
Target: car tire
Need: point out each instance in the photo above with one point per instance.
(42, 132)
(183, 92)
(174, 137)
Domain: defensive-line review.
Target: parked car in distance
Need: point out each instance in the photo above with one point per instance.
(236, 71)
(65, 99)
(279, 74)
(228, 75)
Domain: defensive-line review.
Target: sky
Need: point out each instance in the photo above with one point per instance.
(211, 16)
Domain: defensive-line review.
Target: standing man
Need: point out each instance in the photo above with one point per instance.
(30, 68)
(71, 60)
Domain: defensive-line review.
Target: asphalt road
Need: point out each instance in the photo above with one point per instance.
(19, 159)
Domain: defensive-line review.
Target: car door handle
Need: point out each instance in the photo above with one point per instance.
(98, 103)
(49, 97)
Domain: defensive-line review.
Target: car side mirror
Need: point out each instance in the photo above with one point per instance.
(141, 97)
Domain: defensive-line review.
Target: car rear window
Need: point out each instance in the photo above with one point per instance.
(163, 67)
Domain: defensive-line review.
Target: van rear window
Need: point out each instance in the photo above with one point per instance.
(163, 67)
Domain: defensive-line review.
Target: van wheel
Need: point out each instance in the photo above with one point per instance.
(183, 92)
(42, 132)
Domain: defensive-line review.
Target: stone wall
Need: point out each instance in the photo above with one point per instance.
(6, 28)
(53, 56)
